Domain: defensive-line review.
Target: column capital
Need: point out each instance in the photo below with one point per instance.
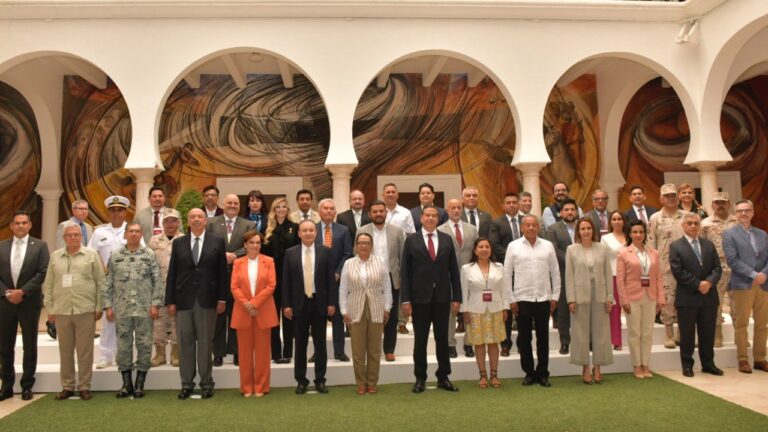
(49, 194)
(144, 174)
(341, 170)
(707, 166)
(530, 168)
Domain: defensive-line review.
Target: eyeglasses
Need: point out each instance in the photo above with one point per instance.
(363, 243)
(599, 199)
(743, 210)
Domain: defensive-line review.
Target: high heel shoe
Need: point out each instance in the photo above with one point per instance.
(495, 381)
(638, 372)
(586, 378)
(598, 376)
(483, 383)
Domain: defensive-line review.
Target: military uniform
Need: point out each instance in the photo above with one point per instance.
(662, 231)
(133, 285)
(165, 325)
(712, 229)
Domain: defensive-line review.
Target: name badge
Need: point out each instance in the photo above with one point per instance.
(645, 281)
(487, 296)
(66, 281)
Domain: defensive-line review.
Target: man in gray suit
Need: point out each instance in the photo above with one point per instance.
(231, 228)
(599, 213)
(79, 215)
(151, 218)
(476, 217)
(23, 264)
(561, 234)
(463, 235)
(388, 243)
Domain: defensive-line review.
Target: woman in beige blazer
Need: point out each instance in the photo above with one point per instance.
(589, 290)
(485, 304)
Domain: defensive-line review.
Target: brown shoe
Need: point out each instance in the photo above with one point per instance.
(389, 357)
(761, 365)
(744, 367)
(85, 395)
(402, 329)
(505, 352)
(64, 394)
(460, 327)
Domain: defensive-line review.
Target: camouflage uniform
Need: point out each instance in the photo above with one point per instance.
(165, 325)
(133, 285)
(662, 231)
(712, 229)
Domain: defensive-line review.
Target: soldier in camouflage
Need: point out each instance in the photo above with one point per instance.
(664, 227)
(165, 325)
(712, 229)
(132, 295)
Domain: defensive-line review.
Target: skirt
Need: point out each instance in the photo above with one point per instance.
(486, 328)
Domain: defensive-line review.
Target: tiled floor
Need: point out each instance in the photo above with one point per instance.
(747, 390)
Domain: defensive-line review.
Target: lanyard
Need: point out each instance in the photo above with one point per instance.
(644, 264)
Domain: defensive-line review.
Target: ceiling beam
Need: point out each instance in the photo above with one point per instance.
(474, 77)
(285, 73)
(193, 80)
(383, 78)
(428, 77)
(238, 76)
(576, 71)
(756, 70)
(90, 73)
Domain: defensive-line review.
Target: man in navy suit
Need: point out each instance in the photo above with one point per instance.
(356, 216)
(696, 268)
(639, 211)
(427, 197)
(430, 288)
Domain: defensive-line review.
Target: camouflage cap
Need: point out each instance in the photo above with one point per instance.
(720, 196)
(668, 188)
(171, 213)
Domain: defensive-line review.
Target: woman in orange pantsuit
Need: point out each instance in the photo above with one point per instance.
(254, 314)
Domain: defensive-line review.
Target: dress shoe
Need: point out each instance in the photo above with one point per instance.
(361, 390)
(744, 367)
(103, 364)
(282, 361)
(311, 359)
(6, 393)
(545, 382)
(346, 333)
(50, 328)
(617, 347)
(761, 365)
(236, 360)
(206, 393)
(389, 357)
(447, 385)
(460, 327)
(468, 351)
(452, 352)
(529, 380)
(26, 394)
(341, 357)
(218, 361)
(185, 393)
(712, 369)
(85, 395)
(64, 394)
(418, 386)
(301, 388)
(321, 388)
(505, 352)
(564, 349)
(402, 329)
(688, 372)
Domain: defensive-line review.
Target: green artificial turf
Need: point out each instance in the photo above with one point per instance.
(622, 403)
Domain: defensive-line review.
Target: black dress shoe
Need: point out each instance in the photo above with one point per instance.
(341, 357)
(452, 352)
(564, 349)
(529, 380)
(206, 393)
(311, 359)
(688, 372)
(6, 394)
(301, 388)
(185, 393)
(418, 386)
(468, 351)
(545, 382)
(218, 361)
(26, 394)
(447, 385)
(50, 328)
(235, 360)
(282, 361)
(714, 370)
(505, 352)
(321, 388)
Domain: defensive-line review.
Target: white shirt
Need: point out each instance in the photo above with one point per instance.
(613, 249)
(528, 265)
(637, 212)
(192, 238)
(253, 273)
(23, 247)
(453, 228)
(210, 213)
(358, 216)
(380, 247)
(401, 218)
(107, 239)
(425, 235)
(227, 226)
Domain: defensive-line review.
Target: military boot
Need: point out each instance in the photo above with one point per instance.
(175, 355)
(159, 358)
(141, 376)
(719, 335)
(670, 342)
(127, 388)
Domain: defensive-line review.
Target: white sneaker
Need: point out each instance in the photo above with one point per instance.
(103, 364)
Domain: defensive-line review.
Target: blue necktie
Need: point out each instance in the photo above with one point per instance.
(696, 248)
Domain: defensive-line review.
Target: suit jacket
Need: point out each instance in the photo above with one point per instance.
(60, 234)
(483, 220)
(219, 211)
(348, 220)
(578, 277)
(558, 235)
(342, 244)
(395, 242)
(263, 300)
(595, 218)
(296, 216)
(632, 216)
(442, 216)
(208, 281)
(218, 226)
(500, 235)
(292, 286)
(146, 218)
(463, 252)
(425, 281)
(741, 257)
(33, 269)
(629, 272)
(689, 273)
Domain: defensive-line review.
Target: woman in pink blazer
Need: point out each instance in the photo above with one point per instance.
(641, 295)
(254, 314)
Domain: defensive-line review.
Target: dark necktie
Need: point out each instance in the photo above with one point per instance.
(431, 247)
(156, 224)
(85, 234)
(515, 231)
(196, 250)
(472, 219)
(696, 249)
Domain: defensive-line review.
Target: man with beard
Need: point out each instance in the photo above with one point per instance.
(551, 214)
(561, 235)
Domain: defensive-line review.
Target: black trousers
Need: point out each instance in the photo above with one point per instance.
(563, 318)
(225, 337)
(390, 328)
(27, 315)
(337, 324)
(437, 315)
(311, 319)
(284, 348)
(532, 314)
(701, 320)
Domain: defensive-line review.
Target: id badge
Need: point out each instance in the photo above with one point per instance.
(67, 280)
(487, 296)
(645, 281)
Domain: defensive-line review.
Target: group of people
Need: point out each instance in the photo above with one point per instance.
(256, 284)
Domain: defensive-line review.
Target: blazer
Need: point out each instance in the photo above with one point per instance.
(218, 226)
(207, 281)
(33, 269)
(60, 234)
(741, 258)
(632, 216)
(442, 216)
(146, 218)
(463, 251)
(425, 281)
(689, 273)
(292, 285)
(395, 242)
(500, 235)
(483, 220)
(473, 284)
(558, 234)
(284, 236)
(342, 245)
(578, 278)
(348, 220)
(595, 218)
(263, 300)
(629, 272)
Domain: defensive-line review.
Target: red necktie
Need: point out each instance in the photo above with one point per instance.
(459, 240)
(431, 247)
(642, 215)
(156, 224)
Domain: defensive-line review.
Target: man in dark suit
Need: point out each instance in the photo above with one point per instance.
(476, 217)
(427, 197)
(696, 268)
(309, 296)
(430, 288)
(195, 292)
(599, 213)
(23, 264)
(211, 202)
(356, 216)
(561, 235)
(231, 228)
(335, 237)
(639, 211)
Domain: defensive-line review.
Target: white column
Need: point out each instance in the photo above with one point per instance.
(531, 182)
(612, 189)
(50, 215)
(708, 173)
(145, 178)
(341, 174)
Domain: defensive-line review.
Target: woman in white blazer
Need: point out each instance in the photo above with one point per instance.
(485, 306)
(589, 290)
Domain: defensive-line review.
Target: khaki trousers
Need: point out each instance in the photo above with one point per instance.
(75, 335)
(753, 301)
(366, 348)
(640, 325)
